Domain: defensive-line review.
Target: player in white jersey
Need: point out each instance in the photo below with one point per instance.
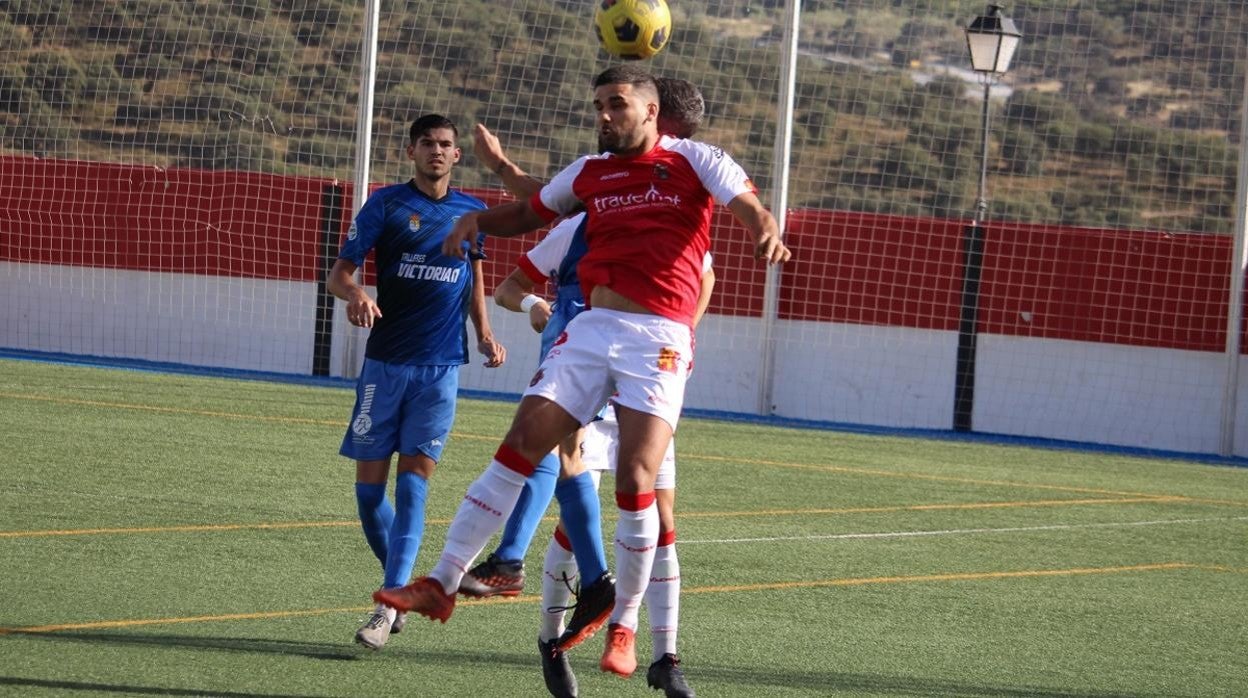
(649, 201)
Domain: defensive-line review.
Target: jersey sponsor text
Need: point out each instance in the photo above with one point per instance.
(426, 272)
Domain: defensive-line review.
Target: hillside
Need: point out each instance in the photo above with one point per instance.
(1124, 115)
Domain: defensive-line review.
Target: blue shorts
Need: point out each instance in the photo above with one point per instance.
(408, 409)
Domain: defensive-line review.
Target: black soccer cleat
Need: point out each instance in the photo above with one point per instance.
(665, 675)
(560, 680)
(494, 577)
(593, 607)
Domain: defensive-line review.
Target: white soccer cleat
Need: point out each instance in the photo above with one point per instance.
(376, 631)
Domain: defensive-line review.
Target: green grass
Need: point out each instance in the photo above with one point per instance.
(177, 535)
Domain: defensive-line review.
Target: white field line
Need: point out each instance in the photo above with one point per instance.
(961, 531)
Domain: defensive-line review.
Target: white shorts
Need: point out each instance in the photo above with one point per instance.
(643, 358)
(601, 445)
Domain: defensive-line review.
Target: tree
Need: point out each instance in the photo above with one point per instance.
(56, 77)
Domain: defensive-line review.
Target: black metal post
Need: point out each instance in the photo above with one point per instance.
(964, 380)
(972, 269)
(331, 230)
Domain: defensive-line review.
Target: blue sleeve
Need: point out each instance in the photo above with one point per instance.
(480, 254)
(364, 231)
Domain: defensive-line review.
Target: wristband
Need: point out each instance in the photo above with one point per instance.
(527, 303)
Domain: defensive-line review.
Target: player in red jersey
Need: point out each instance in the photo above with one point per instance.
(649, 200)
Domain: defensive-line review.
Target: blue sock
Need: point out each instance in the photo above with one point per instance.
(410, 491)
(534, 500)
(582, 522)
(376, 516)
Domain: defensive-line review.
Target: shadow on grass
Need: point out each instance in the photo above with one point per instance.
(752, 679)
(833, 682)
(87, 686)
(313, 650)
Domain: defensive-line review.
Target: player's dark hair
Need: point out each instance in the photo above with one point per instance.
(680, 105)
(429, 122)
(627, 74)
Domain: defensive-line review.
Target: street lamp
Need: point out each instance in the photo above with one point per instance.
(991, 40)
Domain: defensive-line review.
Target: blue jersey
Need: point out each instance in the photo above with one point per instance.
(554, 260)
(424, 295)
(569, 300)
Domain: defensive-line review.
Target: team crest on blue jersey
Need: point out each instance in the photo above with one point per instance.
(413, 223)
(352, 232)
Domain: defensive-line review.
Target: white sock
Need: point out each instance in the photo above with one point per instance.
(636, 533)
(663, 600)
(486, 506)
(390, 612)
(556, 593)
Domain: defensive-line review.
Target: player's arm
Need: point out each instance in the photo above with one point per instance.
(505, 221)
(517, 217)
(704, 295)
(758, 220)
(515, 293)
(362, 310)
(494, 352)
(490, 152)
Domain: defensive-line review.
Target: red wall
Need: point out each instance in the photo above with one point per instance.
(153, 219)
(1114, 286)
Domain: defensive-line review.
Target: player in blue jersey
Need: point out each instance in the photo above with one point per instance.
(554, 261)
(405, 397)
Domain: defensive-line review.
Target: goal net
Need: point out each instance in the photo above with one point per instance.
(177, 177)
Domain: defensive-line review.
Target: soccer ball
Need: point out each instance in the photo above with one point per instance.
(633, 29)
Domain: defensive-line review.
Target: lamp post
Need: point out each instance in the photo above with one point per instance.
(991, 40)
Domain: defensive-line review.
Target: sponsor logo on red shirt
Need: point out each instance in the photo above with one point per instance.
(651, 198)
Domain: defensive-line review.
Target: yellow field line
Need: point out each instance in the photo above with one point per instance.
(684, 456)
(918, 476)
(102, 624)
(189, 528)
(212, 528)
(928, 507)
(718, 589)
(950, 577)
(1222, 568)
(172, 410)
(279, 419)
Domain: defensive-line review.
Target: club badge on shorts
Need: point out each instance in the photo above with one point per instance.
(669, 359)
